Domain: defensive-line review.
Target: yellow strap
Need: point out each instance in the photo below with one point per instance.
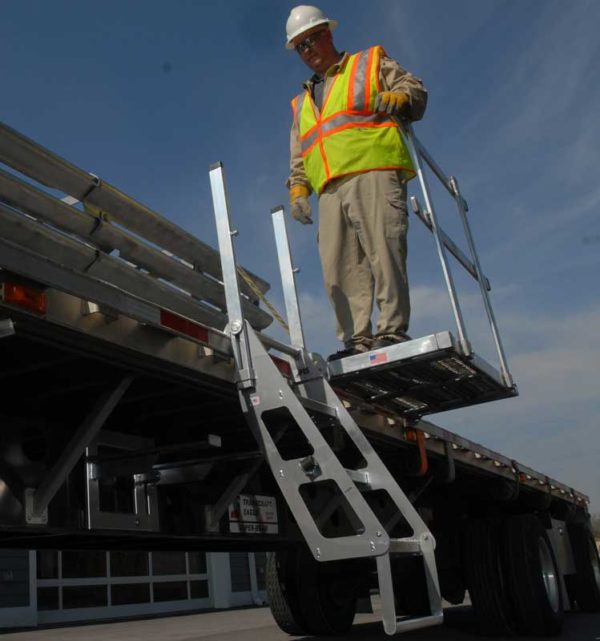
(276, 315)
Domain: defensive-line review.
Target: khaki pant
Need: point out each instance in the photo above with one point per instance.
(362, 242)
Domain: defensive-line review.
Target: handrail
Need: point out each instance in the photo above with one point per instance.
(444, 243)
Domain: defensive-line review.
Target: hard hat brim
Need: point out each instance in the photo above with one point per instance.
(332, 24)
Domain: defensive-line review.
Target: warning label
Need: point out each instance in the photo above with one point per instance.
(253, 514)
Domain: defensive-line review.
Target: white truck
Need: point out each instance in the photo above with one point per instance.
(144, 406)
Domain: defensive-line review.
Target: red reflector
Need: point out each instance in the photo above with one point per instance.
(25, 296)
(183, 325)
(283, 366)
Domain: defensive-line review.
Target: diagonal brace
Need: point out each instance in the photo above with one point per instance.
(84, 435)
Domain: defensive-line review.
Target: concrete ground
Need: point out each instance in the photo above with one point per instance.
(257, 624)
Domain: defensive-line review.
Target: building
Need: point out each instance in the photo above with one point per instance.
(59, 586)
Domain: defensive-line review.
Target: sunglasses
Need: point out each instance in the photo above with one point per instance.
(309, 41)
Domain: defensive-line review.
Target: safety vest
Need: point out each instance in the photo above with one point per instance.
(348, 136)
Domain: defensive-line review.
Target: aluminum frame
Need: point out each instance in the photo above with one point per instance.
(443, 242)
(268, 390)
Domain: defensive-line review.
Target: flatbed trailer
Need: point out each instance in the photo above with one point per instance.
(144, 406)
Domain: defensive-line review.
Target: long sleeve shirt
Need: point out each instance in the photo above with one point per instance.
(392, 77)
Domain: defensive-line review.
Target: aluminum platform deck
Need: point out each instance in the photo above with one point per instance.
(422, 376)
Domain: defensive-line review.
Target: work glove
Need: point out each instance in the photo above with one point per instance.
(393, 103)
(300, 206)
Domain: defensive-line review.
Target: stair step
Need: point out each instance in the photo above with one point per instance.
(404, 624)
(316, 406)
(404, 546)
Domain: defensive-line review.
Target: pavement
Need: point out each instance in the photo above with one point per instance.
(256, 624)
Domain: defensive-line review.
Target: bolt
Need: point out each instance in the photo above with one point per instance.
(379, 533)
(372, 545)
(281, 474)
(236, 327)
(234, 232)
(280, 394)
(318, 553)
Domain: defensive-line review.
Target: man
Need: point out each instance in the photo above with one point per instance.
(346, 147)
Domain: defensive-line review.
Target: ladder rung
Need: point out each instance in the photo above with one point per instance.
(359, 477)
(401, 546)
(317, 406)
(405, 625)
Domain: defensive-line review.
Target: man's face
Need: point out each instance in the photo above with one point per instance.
(316, 49)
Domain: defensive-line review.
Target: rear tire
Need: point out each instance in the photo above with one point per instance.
(307, 596)
(585, 584)
(485, 580)
(533, 579)
(282, 592)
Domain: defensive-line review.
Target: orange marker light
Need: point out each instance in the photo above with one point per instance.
(29, 298)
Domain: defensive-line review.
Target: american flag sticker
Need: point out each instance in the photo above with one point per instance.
(377, 358)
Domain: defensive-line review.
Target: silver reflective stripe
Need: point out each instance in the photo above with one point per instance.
(354, 119)
(309, 140)
(359, 82)
(344, 119)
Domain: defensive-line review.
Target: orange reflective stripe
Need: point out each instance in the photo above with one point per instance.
(344, 120)
(349, 125)
(365, 125)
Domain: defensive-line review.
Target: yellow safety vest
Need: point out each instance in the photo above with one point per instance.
(348, 136)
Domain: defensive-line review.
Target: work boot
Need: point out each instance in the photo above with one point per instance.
(385, 340)
(351, 348)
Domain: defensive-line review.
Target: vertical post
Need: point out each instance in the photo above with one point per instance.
(288, 277)
(237, 330)
(226, 250)
(462, 210)
(460, 323)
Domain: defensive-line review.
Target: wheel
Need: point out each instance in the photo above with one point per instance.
(282, 592)
(485, 579)
(533, 580)
(585, 584)
(311, 597)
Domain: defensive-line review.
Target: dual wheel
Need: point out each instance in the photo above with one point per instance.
(513, 577)
(584, 585)
(308, 597)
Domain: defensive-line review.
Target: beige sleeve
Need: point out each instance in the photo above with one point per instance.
(394, 78)
(297, 175)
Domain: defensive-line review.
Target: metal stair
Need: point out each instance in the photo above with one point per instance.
(321, 460)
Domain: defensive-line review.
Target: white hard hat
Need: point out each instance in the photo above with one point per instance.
(302, 18)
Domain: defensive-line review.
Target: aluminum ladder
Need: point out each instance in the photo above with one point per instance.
(295, 410)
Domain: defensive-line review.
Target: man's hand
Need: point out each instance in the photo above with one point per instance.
(393, 103)
(301, 210)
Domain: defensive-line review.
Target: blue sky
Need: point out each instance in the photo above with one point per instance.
(147, 94)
